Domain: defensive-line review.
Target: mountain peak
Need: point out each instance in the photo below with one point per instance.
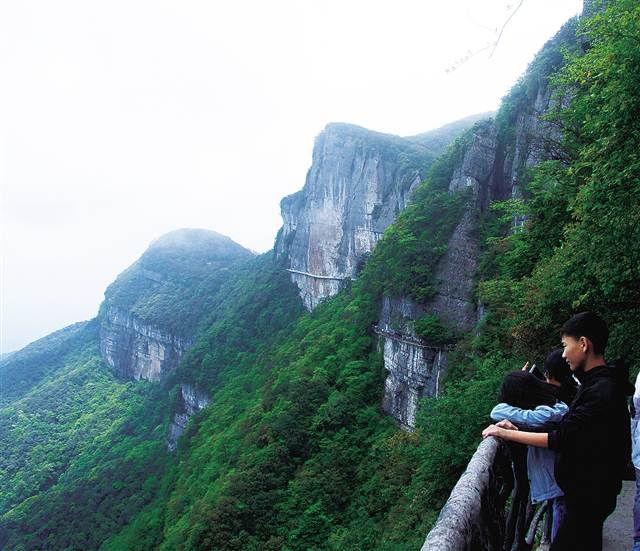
(197, 240)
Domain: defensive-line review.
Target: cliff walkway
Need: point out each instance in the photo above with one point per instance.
(408, 339)
(316, 276)
(489, 509)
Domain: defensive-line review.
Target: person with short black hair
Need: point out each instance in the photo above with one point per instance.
(593, 439)
(557, 372)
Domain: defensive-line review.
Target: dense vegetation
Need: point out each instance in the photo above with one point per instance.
(175, 284)
(318, 465)
(81, 452)
(579, 249)
(293, 451)
(24, 369)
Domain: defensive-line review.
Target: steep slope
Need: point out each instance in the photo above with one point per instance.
(492, 163)
(77, 433)
(293, 449)
(288, 451)
(78, 447)
(25, 368)
(153, 311)
(358, 182)
(309, 460)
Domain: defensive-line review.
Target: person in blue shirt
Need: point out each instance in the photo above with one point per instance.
(531, 404)
(593, 440)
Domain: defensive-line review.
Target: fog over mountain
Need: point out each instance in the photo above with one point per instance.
(124, 122)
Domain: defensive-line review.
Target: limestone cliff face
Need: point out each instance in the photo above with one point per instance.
(358, 182)
(151, 314)
(414, 366)
(190, 401)
(493, 166)
(137, 350)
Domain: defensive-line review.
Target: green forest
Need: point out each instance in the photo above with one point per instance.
(294, 451)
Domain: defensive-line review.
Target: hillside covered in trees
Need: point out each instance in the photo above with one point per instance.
(293, 450)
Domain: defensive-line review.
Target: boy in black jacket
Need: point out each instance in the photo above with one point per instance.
(593, 439)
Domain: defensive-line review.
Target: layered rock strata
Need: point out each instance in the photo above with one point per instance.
(136, 350)
(150, 316)
(154, 310)
(358, 182)
(414, 366)
(494, 172)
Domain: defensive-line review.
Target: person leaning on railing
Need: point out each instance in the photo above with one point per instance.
(532, 404)
(592, 440)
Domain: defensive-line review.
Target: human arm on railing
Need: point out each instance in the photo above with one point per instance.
(592, 406)
(538, 439)
(533, 418)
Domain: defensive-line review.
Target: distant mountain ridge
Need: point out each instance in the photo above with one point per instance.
(328, 393)
(151, 313)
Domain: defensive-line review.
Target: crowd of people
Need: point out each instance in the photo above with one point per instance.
(578, 425)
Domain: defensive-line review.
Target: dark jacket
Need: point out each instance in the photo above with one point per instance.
(593, 441)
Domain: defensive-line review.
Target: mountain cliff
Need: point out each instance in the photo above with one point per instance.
(492, 162)
(358, 182)
(153, 311)
(278, 415)
(82, 407)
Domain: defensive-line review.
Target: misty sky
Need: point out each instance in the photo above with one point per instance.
(121, 121)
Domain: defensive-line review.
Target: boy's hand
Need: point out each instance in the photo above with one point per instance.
(506, 424)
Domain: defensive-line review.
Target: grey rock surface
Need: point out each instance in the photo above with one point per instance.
(476, 167)
(358, 182)
(137, 350)
(454, 302)
(190, 401)
(151, 315)
(414, 367)
(493, 172)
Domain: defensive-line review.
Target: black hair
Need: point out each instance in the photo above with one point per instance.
(524, 390)
(589, 325)
(557, 367)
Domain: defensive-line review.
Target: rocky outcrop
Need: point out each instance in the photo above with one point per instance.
(151, 314)
(358, 182)
(414, 366)
(454, 302)
(492, 165)
(190, 401)
(136, 350)
(476, 166)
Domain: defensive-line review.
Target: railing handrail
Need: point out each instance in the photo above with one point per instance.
(462, 516)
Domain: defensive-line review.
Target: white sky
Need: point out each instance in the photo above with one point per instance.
(123, 120)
